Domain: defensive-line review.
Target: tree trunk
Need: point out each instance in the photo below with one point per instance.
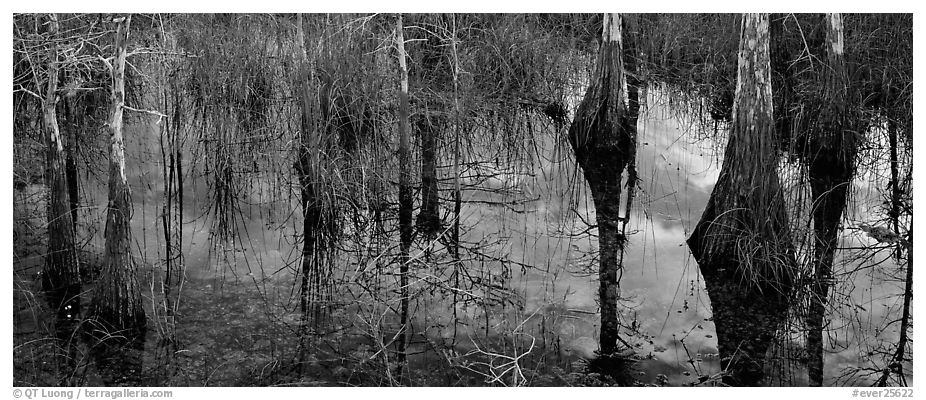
(428, 221)
(117, 301)
(742, 242)
(603, 140)
(830, 156)
(60, 276)
(116, 306)
(72, 117)
(405, 197)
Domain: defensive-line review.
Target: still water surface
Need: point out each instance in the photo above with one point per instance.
(667, 314)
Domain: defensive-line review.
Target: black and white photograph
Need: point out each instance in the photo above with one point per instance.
(460, 199)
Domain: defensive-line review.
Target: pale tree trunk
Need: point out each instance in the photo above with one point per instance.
(405, 198)
(742, 242)
(830, 155)
(117, 303)
(60, 276)
(117, 300)
(603, 139)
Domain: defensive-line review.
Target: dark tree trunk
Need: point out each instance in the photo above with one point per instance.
(742, 242)
(830, 155)
(60, 276)
(428, 220)
(405, 199)
(117, 301)
(603, 139)
(72, 117)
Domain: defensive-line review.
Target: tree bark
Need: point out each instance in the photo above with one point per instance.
(428, 221)
(72, 117)
(830, 156)
(405, 197)
(117, 301)
(603, 139)
(742, 242)
(116, 307)
(60, 276)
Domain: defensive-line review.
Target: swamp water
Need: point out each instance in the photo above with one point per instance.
(239, 312)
